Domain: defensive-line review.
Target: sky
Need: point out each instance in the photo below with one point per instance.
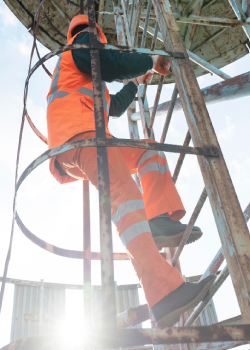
(54, 212)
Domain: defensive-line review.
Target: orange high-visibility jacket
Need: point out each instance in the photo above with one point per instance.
(70, 104)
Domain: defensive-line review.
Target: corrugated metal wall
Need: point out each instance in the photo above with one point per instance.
(125, 298)
(25, 316)
(27, 306)
(208, 315)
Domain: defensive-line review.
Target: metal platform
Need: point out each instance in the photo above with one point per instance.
(211, 30)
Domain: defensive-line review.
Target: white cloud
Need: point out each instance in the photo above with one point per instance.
(7, 17)
(227, 133)
(25, 46)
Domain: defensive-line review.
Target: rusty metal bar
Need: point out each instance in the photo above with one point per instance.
(213, 268)
(181, 158)
(153, 44)
(144, 34)
(190, 7)
(140, 4)
(8, 256)
(132, 27)
(145, 116)
(169, 114)
(233, 230)
(131, 14)
(133, 316)
(82, 7)
(101, 14)
(133, 127)
(144, 91)
(247, 213)
(190, 226)
(231, 89)
(143, 42)
(219, 257)
(96, 46)
(107, 268)
(119, 27)
(219, 73)
(157, 98)
(213, 289)
(215, 264)
(127, 6)
(206, 151)
(206, 65)
(195, 58)
(137, 337)
(87, 256)
(39, 57)
(155, 35)
(240, 14)
(192, 27)
(211, 21)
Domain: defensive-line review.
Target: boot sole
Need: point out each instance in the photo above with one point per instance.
(172, 318)
(174, 241)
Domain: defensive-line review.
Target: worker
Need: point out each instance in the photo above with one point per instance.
(141, 220)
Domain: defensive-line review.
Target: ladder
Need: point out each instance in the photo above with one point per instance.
(230, 220)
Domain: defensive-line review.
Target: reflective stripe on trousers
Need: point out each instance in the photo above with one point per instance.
(153, 166)
(55, 93)
(136, 229)
(157, 277)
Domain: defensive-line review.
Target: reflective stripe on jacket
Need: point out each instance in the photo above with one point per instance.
(70, 105)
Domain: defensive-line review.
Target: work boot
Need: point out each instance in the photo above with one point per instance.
(168, 310)
(168, 233)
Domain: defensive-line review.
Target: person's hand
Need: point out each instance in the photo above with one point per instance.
(144, 79)
(161, 65)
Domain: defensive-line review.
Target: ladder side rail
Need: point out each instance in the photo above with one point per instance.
(233, 230)
(213, 267)
(87, 255)
(195, 214)
(107, 264)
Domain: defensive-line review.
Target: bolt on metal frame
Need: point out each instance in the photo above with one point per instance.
(231, 222)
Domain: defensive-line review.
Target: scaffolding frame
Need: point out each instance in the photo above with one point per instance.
(230, 220)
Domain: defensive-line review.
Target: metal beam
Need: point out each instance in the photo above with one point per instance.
(228, 215)
(107, 264)
(240, 14)
(211, 21)
(87, 257)
(231, 89)
(191, 7)
(137, 337)
(207, 66)
(192, 27)
(192, 56)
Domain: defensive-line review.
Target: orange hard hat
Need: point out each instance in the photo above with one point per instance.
(84, 19)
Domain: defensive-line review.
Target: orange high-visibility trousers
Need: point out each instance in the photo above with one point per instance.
(130, 210)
